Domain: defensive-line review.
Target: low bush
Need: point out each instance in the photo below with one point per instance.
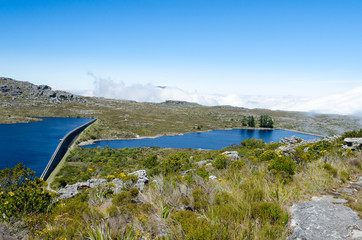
(174, 162)
(269, 212)
(220, 162)
(237, 165)
(333, 171)
(282, 165)
(196, 228)
(268, 155)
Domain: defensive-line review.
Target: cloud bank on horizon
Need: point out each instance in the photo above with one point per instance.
(346, 103)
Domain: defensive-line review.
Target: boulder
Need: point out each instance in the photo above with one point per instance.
(44, 87)
(142, 179)
(285, 149)
(71, 190)
(291, 140)
(202, 163)
(353, 143)
(212, 177)
(233, 155)
(322, 220)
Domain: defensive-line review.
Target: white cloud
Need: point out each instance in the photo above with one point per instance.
(344, 103)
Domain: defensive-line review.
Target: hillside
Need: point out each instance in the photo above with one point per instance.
(19, 101)
(244, 191)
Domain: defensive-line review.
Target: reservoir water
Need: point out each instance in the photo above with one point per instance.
(213, 140)
(34, 143)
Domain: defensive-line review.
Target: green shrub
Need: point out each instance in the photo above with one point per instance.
(344, 176)
(200, 202)
(220, 161)
(202, 172)
(268, 212)
(330, 169)
(253, 192)
(196, 228)
(19, 196)
(253, 143)
(268, 155)
(223, 198)
(174, 162)
(237, 165)
(134, 192)
(121, 198)
(282, 165)
(150, 162)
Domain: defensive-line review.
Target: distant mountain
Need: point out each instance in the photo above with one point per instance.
(19, 90)
(180, 103)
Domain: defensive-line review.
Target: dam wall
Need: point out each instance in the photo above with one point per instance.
(62, 148)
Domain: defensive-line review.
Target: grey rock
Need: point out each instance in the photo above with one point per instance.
(44, 87)
(353, 143)
(286, 149)
(50, 94)
(16, 231)
(201, 163)
(71, 190)
(118, 185)
(291, 140)
(36, 94)
(233, 155)
(142, 179)
(212, 177)
(329, 198)
(324, 220)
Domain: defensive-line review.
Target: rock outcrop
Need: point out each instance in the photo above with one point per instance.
(142, 179)
(33, 93)
(291, 143)
(353, 143)
(233, 155)
(71, 190)
(115, 185)
(324, 220)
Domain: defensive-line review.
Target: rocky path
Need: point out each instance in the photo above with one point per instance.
(326, 217)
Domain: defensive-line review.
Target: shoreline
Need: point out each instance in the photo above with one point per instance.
(91, 142)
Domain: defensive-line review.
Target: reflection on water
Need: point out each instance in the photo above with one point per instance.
(216, 139)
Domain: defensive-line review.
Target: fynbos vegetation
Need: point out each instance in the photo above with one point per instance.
(192, 194)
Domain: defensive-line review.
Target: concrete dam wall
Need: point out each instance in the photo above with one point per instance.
(62, 148)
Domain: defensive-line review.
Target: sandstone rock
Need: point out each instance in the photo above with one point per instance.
(212, 177)
(71, 190)
(323, 220)
(291, 140)
(233, 155)
(353, 143)
(142, 179)
(329, 198)
(286, 149)
(202, 163)
(118, 185)
(33, 93)
(44, 87)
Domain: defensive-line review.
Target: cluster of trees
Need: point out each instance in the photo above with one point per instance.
(264, 121)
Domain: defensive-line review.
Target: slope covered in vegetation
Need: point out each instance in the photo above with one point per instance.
(192, 194)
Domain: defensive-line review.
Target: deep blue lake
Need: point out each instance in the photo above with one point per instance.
(213, 140)
(34, 143)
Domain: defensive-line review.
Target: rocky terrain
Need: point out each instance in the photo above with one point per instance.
(13, 91)
(326, 217)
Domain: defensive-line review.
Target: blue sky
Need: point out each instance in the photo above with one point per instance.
(301, 49)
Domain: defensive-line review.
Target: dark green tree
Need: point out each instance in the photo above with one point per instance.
(266, 121)
(244, 121)
(251, 121)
